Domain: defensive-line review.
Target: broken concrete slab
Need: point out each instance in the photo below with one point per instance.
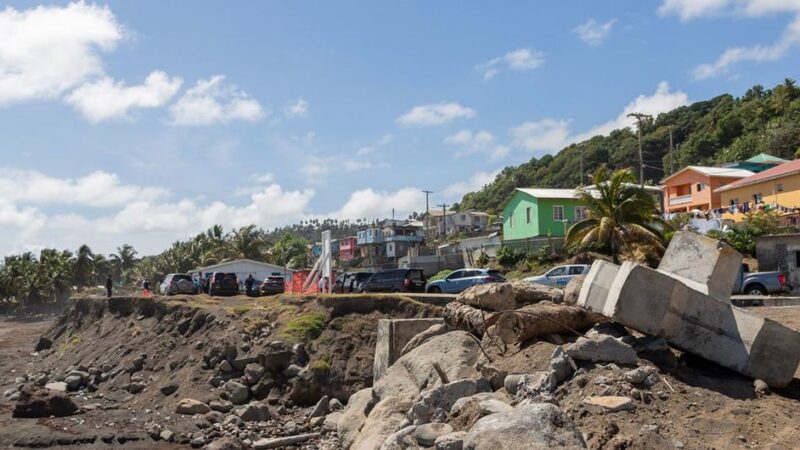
(393, 335)
(704, 264)
(611, 403)
(655, 303)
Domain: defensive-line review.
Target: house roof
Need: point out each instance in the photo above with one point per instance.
(766, 158)
(725, 172)
(548, 193)
(438, 212)
(783, 170)
(647, 188)
(234, 261)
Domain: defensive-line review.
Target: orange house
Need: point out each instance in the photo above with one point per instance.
(693, 187)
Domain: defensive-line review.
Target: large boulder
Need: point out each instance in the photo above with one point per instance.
(384, 419)
(530, 426)
(414, 370)
(353, 417)
(444, 396)
(508, 296)
(602, 349)
(36, 402)
(191, 406)
(236, 392)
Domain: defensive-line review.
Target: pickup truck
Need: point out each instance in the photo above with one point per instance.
(759, 283)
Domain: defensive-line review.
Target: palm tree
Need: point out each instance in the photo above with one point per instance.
(247, 242)
(124, 260)
(83, 266)
(622, 217)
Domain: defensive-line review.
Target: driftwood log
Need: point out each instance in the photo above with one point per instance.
(541, 319)
(288, 440)
(464, 317)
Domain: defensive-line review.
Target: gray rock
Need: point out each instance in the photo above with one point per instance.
(529, 426)
(252, 373)
(292, 371)
(573, 289)
(384, 419)
(602, 349)
(335, 404)
(428, 433)
(73, 382)
(562, 365)
(331, 422)
(198, 442)
(223, 406)
(761, 388)
(611, 403)
(191, 406)
(167, 435)
(254, 412)
(58, 386)
(225, 366)
(450, 441)
(444, 397)
(531, 384)
(169, 388)
(493, 406)
(135, 387)
(477, 398)
(421, 338)
(321, 408)
(353, 417)
(640, 374)
(34, 402)
(492, 374)
(236, 392)
(225, 443)
(400, 439)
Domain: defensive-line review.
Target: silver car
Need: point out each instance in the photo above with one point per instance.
(559, 276)
(177, 283)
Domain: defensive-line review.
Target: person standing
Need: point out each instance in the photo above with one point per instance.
(146, 288)
(248, 284)
(323, 284)
(109, 285)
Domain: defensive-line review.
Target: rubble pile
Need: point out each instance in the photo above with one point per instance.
(620, 344)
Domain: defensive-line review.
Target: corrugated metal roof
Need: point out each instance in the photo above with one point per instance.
(726, 172)
(783, 170)
(549, 193)
(766, 158)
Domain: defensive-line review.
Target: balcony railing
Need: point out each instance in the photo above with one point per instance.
(680, 200)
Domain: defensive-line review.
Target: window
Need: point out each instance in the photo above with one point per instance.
(557, 272)
(734, 201)
(779, 187)
(581, 212)
(700, 186)
(558, 212)
(511, 221)
(576, 270)
(463, 217)
(757, 198)
(455, 275)
(797, 258)
(528, 214)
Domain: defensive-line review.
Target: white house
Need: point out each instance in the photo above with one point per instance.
(243, 268)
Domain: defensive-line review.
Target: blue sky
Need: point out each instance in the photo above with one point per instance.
(145, 122)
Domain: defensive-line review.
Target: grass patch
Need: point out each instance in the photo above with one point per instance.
(321, 364)
(306, 327)
(256, 325)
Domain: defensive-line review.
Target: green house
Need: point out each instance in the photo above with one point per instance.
(533, 215)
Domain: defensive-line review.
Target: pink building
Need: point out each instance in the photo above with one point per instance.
(347, 248)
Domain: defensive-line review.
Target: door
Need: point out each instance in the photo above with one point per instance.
(453, 282)
(558, 276)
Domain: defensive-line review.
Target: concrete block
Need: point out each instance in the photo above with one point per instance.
(655, 303)
(393, 335)
(702, 263)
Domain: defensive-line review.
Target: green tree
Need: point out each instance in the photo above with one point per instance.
(290, 250)
(622, 217)
(124, 260)
(247, 242)
(84, 266)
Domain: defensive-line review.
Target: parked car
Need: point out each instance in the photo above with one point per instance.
(560, 275)
(759, 283)
(395, 280)
(273, 285)
(459, 280)
(350, 282)
(223, 283)
(177, 283)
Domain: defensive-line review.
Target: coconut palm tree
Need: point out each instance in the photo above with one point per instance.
(124, 260)
(247, 242)
(622, 218)
(83, 266)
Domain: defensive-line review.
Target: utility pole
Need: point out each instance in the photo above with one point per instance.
(427, 211)
(639, 118)
(581, 150)
(444, 218)
(670, 150)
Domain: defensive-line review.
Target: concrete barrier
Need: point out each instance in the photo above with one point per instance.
(393, 335)
(658, 304)
(702, 263)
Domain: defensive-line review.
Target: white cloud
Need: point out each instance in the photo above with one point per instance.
(355, 166)
(47, 50)
(211, 101)
(263, 177)
(594, 33)
(435, 114)
(475, 182)
(21, 218)
(296, 109)
(370, 204)
(98, 189)
(758, 53)
(549, 135)
(372, 148)
(520, 60)
(692, 9)
(474, 142)
(105, 99)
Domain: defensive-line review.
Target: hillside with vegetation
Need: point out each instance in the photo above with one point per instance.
(723, 129)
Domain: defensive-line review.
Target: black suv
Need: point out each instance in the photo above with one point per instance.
(273, 285)
(395, 280)
(222, 283)
(350, 282)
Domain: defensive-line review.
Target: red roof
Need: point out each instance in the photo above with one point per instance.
(783, 170)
